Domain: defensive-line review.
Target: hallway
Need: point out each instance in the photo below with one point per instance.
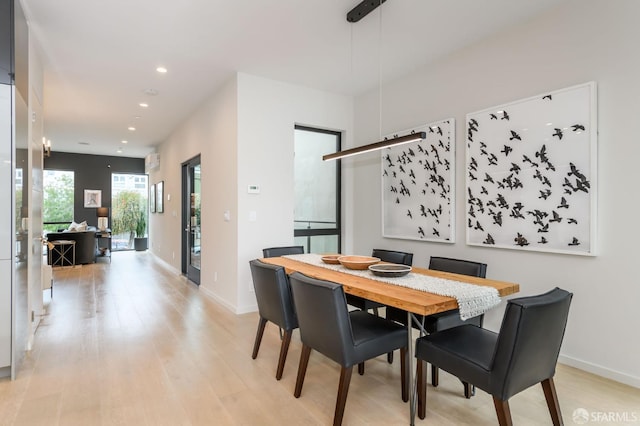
(131, 343)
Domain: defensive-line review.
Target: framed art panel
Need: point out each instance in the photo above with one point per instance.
(531, 173)
(160, 197)
(92, 198)
(152, 199)
(418, 183)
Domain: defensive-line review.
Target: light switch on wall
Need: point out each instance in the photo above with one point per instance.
(227, 216)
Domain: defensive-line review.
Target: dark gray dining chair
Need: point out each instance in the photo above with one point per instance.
(524, 352)
(348, 338)
(282, 251)
(444, 320)
(390, 256)
(275, 304)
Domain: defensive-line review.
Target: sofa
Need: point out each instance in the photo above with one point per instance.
(85, 244)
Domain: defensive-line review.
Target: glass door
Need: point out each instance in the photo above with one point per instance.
(191, 216)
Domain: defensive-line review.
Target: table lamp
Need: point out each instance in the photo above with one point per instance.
(103, 218)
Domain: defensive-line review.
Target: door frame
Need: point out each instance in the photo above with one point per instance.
(192, 274)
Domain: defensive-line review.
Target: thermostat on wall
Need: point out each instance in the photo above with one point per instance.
(253, 189)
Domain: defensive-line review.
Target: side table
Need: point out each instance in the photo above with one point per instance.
(103, 239)
(62, 253)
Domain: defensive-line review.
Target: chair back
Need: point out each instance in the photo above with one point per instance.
(391, 256)
(458, 266)
(273, 294)
(323, 316)
(282, 251)
(529, 342)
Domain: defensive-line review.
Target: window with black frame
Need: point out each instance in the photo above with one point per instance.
(317, 191)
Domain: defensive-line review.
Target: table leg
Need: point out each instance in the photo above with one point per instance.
(412, 381)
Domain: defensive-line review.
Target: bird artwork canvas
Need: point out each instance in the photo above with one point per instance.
(531, 173)
(418, 185)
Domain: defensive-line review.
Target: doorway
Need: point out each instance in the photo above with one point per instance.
(191, 219)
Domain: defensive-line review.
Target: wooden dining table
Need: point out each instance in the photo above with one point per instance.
(414, 302)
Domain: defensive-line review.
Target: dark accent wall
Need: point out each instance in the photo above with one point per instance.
(6, 41)
(92, 172)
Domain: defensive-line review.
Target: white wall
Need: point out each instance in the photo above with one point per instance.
(267, 113)
(245, 135)
(579, 42)
(211, 131)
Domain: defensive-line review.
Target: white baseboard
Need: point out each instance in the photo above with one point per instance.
(600, 371)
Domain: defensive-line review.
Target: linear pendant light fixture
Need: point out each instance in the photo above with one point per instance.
(414, 137)
(360, 11)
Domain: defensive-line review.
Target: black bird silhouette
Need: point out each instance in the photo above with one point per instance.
(548, 97)
(483, 145)
(583, 186)
(474, 122)
(546, 181)
(506, 150)
(515, 168)
(411, 174)
(394, 174)
(478, 226)
(436, 232)
(411, 152)
(469, 224)
(489, 240)
(563, 203)
(502, 202)
(394, 189)
(575, 172)
(439, 130)
(558, 133)
(528, 160)
(402, 169)
(556, 217)
(542, 154)
(543, 240)
(545, 194)
(484, 191)
(505, 116)
(577, 127)
(424, 192)
(440, 143)
(545, 228)
(472, 212)
(385, 173)
(421, 231)
(497, 219)
(409, 214)
(421, 149)
(488, 178)
(520, 240)
(388, 158)
(572, 221)
(423, 212)
(574, 242)
(473, 165)
(514, 135)
(397, 200)
(493, 116)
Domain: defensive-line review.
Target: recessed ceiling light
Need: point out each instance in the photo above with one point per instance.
(161, 70)
(125, 142)
(144, 104)
(133, 129)
(83, 143)
(137, 117)
(119, 151)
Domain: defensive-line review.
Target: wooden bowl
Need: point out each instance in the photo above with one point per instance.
(331, 259)
(357, 262)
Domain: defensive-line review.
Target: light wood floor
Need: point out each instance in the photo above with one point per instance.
(130, 343)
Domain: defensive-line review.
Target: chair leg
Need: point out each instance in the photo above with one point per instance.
(469, 390)
(361, 369)
(390, 357)
(284, 348)
(343, 390)
(503, 412)
(434, 376)
(421, 382)
(302, 369)
(256, 345)
(404, 374)
(552, 401)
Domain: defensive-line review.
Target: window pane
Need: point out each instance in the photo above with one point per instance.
(57, 201)
(315, 180)
(129, 209)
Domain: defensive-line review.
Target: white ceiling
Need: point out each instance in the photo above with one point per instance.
(100, 56)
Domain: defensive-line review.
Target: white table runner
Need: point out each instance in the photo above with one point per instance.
(473, 300)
